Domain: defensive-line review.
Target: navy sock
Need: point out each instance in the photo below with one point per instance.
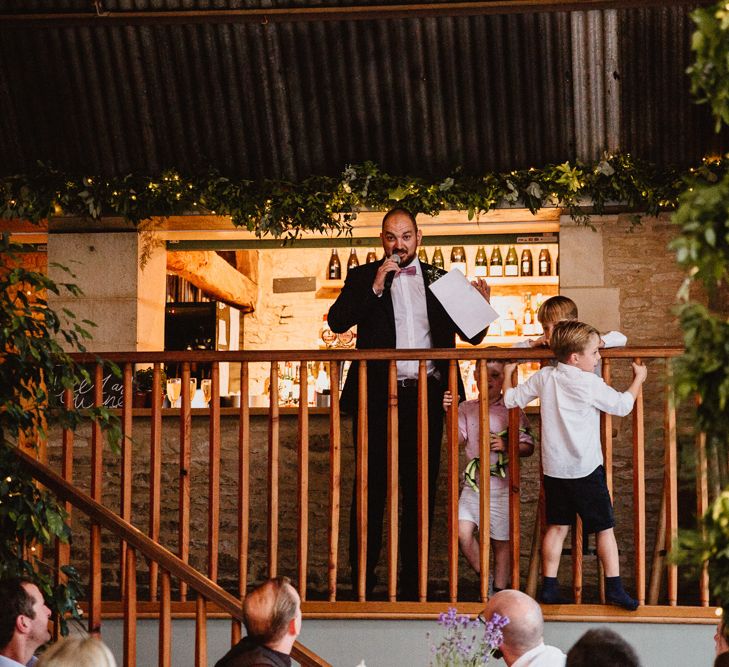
(615, 594)
(550, 591)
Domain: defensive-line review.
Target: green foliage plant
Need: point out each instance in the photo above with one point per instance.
(34, 371)
(702, 249)
(329, 204)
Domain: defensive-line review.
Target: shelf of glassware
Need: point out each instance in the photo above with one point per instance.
(330, 289)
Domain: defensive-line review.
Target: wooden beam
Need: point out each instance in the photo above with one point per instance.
(211, 273)
(308, 14)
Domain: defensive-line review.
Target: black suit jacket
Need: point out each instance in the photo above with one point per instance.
(375, 320)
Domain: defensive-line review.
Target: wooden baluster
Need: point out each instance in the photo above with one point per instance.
(273, 440)
(577, 545)
(671, 484)
(484, 477)
(126, 462)
(423, 472)
(165, 620)
(335, 449)
(304, 477)
(155, 473)
(130, 608)
(63, 549)
(361, 481)
(452, 440)
(639, 494)
(214, 475)
(183, 501)
(702, 504)
(97, 445)
(244, 479)
(606, 438)
(393, 463)
(201, 632)
(514, 490)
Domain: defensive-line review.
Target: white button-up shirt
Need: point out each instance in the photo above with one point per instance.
(411, 319)
(571, 400)
(541, 656)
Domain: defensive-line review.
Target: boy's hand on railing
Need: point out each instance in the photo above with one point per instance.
(447, 400)
(640, 372)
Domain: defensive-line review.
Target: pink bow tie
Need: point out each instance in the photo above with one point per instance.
(407, 271)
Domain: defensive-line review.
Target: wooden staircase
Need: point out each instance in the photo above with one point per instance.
(208, 592)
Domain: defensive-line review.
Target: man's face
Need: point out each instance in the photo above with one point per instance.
(38, 625)
(399, 237)
(588, 359)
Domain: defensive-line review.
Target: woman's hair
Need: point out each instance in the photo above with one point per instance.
(77, 652)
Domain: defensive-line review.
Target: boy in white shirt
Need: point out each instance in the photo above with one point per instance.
(571, 398)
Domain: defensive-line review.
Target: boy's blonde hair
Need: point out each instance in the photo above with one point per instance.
(556, 309)
(571, 336)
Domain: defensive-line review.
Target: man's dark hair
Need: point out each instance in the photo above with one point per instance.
(15, 601)
(399, 210)
(268, 610)
(602, 647)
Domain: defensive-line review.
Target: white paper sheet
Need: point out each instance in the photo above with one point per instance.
(463, 302)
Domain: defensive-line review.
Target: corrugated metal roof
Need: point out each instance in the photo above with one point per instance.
(420, 95)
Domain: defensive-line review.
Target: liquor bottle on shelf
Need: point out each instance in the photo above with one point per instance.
(496, 264)
(458, 258)
(422, 254)
(352, 261)
(480, 263)
(545, 262)
(538, 329)
(310, 385)
(508, 324)
(334, 268)
(527, 263)
(438, 260)
(511, 265)
(371, 256)
(528, 319)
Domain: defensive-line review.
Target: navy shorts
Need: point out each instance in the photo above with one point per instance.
(586, 496)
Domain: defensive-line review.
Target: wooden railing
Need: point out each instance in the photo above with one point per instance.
(323, 584)
(136, 541)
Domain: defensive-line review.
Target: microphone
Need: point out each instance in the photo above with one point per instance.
(391, 275)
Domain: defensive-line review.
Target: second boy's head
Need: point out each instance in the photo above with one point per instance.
(576, 344)
(553, 310)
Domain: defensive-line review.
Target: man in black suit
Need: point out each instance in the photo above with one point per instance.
(391, 305)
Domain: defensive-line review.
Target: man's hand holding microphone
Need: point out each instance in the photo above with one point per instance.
(386, 273)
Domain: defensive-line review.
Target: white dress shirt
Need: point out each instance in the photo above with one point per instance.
(541, 656)
(7, 662)
(412, 327)
(571, 400)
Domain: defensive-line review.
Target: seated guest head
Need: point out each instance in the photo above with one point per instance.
(24, 619)
(272, 614)
(525, 630)
(78, 652)
(602, 647)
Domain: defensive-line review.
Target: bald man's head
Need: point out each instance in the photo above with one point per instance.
(525, 629)
(269, 609)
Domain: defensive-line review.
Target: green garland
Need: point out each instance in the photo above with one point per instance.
(329, 204)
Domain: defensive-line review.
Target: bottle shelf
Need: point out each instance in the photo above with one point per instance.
(330, 289)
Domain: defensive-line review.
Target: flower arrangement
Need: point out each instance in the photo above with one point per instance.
(467, 643)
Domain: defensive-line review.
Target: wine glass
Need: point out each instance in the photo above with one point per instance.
(193, 388)
(207, 389)
(174, 387)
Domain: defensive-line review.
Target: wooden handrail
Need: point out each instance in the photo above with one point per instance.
(156, 553)
(462, 354)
